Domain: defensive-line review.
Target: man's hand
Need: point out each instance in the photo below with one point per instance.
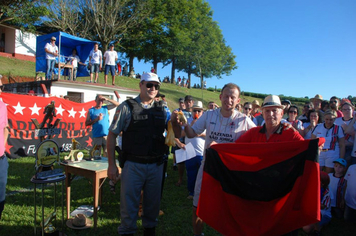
(113, 173)
(100, 117)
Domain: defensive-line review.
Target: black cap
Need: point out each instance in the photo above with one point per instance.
(188, 98)
(286, 101)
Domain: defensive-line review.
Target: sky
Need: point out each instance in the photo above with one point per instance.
(292, 47)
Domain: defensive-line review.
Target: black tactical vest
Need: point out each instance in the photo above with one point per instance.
(144, 136)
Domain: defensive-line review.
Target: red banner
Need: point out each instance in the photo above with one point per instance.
(26, 116)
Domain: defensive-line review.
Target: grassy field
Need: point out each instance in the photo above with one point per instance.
(19, 209)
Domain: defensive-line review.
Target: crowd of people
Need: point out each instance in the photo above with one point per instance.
(141, 124)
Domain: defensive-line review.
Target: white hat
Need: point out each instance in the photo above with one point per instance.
(317, 97)
(198, 105)
(256, 103)
(272, 101)
(79, 222)
(150, 77)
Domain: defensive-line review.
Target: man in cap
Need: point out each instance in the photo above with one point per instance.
(286, 104)
(222, 125)
(95, 58)
(110, 58)
(51, 53)
(317, 101)
(142, 121)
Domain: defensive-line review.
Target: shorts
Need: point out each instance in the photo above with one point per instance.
(327, 158)
(94, 68)
(111, 68)
(100, 141)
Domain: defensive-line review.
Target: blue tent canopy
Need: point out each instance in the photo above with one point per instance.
(65, 43)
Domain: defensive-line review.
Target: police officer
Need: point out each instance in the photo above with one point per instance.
(143, 121)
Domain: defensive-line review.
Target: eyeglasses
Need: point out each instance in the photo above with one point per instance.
(197, 111)
(346, 109)
(150, 85)
(333, 101)
(247, 108)
(295, 112)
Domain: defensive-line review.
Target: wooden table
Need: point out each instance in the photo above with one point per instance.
(64, 65)
(95, 170)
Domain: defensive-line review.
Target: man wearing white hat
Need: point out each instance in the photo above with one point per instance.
(273, 130)
(142, 121)
(317, 101)
(51, 50)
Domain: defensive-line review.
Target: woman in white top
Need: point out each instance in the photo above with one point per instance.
(292, 118)
(314, 118)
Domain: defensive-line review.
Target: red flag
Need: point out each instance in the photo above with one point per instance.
(260, 188)
(23, 132)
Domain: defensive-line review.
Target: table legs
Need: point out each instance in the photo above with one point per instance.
(68, 182)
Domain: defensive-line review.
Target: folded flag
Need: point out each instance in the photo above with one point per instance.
(260, 188)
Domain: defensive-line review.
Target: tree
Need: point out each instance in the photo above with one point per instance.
(23, 13)
(104, 21)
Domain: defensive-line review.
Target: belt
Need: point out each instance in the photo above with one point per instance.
(144, 159)
(325, 150)
(3, 156)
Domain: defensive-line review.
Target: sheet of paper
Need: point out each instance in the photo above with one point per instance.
(183, 155)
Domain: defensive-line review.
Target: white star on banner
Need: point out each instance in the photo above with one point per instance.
(18, 108)
(35, 109)
(82, 113)
(60, 109)
(72, 113)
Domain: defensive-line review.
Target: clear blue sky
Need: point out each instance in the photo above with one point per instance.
(293, 47)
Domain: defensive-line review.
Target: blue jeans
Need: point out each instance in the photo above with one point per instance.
(134, 178)
(50, 68)
(4, 165)
(192, 166)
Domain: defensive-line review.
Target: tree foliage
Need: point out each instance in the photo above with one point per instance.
(23, 13)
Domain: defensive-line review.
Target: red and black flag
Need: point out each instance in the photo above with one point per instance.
(260, 188)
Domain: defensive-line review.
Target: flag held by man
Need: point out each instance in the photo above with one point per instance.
(260, 188)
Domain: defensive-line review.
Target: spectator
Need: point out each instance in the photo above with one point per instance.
(110, 57)
(337, 187)
(247, 110)
(212, 105)
(255, 106)
(193, 165)
(51, 53)
(334, 146)
(314, 118)
(347, 111)
(74, 60)
(306, 108)
(334, 105)
(4, 165)
(317, 100)
(95, 60)
(228, 125)
(350, 195)
(98, 117)
(292, 118)
(286, 104)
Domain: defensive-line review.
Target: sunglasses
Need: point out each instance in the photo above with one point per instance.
(333, 101)
(246, 108)
(150, 85)
(197, 111)
(293, 112)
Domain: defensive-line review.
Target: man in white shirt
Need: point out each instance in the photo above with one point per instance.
(51, 53)
(95, 58)
(110, 57)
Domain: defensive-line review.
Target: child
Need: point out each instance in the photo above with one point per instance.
(325, 209)
(350, 194)
(337, 186)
